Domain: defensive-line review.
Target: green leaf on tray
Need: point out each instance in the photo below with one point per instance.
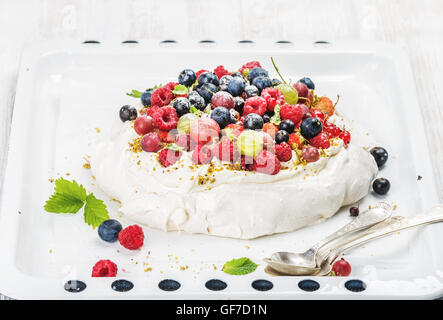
(95, 211)
(69, 197)
(239, 266)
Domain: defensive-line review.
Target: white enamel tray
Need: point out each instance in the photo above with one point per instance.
(67, 90)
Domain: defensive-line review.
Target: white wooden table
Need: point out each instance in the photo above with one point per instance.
(415, 25)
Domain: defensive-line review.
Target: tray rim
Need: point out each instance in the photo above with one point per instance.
(10, 275)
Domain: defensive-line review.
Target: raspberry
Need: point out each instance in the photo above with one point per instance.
(254, 105)
(104, 268)
(150, 111)
(170, 85)
(290, 112)
(184, 141)
(221, 71)
(266, 162)
(161, 97)
(131, 237)
(273, 96)
(202, 155)
(168, 157)
(199, 73)
(270, 129)
(283, 152)
(224, 150)
(320, 141)
(295, 141)
(250, 65)
(165, 118)
(166, 136)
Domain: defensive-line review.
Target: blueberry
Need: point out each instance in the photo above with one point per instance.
(236, 86)
(380, 155)
(222, 116)
(187, 77)
(251, 91)
(208, 77)
(237, 75)
(261, 83)
(225, 80)
(253, 121)
(196, 100)
(109, 229)
(381, 186)
(257, 72)
(146, 97)
(266, 118)
(275, 82)
(308, 82)
(287, 125)
(281, 136)
(239, 104)
(128, 113)
(207, 90)
(310, 127)
(182, 106)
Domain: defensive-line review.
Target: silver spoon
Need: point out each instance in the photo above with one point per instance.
(306, 263)
(389, 226)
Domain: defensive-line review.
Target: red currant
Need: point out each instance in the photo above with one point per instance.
(341, 268)
(345, 136)
(319, 115)
(332, 130)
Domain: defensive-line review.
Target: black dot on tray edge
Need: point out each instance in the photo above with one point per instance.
(219, 285)
(165, 285)
(312, 285)
(79, 286)
(359, 285)
(127, 283)
(262, 285)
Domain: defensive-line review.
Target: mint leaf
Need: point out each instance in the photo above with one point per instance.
(276, 119)
(239, 266)
(62, 203)
(135, 94)
(173, 146)
(180, 90)
(69, 197)
(95, 211)
(71, 189)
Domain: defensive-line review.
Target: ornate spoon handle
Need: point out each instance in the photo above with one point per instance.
(392, 225)
(381, 211)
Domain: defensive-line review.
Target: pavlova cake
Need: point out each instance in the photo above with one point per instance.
(233, 154)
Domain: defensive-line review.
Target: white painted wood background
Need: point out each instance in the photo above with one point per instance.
(417, 25)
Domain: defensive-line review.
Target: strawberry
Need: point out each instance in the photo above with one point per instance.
(296, 141)
(270, 128)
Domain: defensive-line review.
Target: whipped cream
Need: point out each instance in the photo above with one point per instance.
(214, 199)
